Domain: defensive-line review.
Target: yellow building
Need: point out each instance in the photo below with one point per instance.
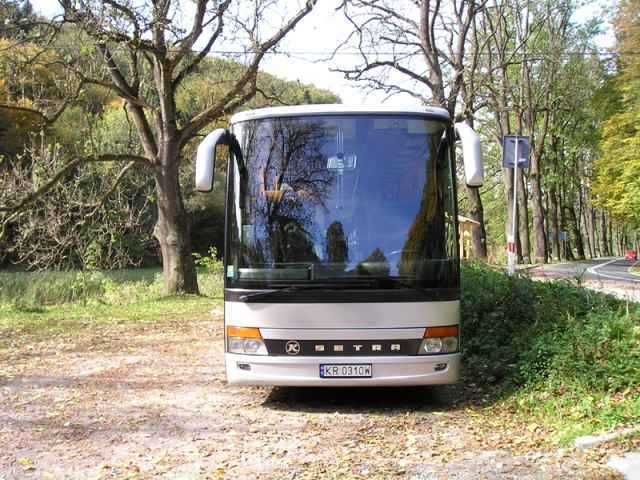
(465, 231)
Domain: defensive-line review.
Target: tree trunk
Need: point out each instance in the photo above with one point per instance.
(612, 245)
(567, 253)
(593, 231)
(585, 222)
(568, 247)
(173, 227)
(587, 236)
(575, 228)
(539, 234)
(478, 232)
(523, 218)
(476, 209)
(555, 227)
(621, 241)
(604, 244)
(568, 250)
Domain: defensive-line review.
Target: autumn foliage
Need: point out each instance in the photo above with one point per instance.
(617, 182)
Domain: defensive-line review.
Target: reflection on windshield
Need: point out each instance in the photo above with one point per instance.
(343, 197)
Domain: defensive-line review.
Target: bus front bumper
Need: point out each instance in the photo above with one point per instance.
(305, 371)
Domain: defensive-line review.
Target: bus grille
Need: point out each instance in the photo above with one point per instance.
(349, 348)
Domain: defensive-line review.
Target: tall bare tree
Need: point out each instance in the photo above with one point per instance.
(418, 48)
(146, 50)
(525, 43)
(497, 39)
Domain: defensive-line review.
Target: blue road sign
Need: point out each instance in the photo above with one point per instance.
(509, 151)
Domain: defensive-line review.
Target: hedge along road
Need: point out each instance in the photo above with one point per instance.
(132, 401)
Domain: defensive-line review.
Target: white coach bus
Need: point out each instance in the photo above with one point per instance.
(341, 252)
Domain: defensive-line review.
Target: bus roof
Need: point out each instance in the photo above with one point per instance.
(334, 109)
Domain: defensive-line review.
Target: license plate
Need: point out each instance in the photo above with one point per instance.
(346, 370)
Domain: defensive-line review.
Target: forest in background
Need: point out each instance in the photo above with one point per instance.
(516, 67)
(523, 68)
(99, 215)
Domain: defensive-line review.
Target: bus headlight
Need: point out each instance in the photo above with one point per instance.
(245, 340)
(439, 340)
(248, 346)
(431, 345)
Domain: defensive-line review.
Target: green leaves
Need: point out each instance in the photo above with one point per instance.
(565, 356)
(617, 179)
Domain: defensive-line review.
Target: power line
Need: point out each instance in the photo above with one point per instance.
(331, 53)
(592, 53)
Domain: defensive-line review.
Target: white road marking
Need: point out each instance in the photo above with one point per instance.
(593, 271)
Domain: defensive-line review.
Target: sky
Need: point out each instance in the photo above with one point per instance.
(321, 31)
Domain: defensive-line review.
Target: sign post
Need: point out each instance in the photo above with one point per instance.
(515, 154)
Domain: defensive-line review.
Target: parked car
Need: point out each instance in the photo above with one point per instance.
(631, 255)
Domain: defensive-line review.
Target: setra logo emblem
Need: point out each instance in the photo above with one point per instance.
(292, 347)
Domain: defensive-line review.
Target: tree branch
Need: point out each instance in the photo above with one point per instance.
(206, 116)
(191, 66)
(113, 188)
(186, 44)
(25, 202)
(142, 124)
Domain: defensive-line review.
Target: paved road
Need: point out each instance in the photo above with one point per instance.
(603, 269)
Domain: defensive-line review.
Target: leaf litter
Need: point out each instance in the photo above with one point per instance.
(151, 402)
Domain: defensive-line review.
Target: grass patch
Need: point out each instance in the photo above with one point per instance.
(554, 353)
(25, 290)
(40, 304)
(559, 354)
(69, 318)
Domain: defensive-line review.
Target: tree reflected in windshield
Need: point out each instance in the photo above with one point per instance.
(343, 197)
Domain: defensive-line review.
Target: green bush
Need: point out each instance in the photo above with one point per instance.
(600, 351)
(209, 263)
(566, 354)
(514, 327)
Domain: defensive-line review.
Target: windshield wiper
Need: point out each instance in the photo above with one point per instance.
(249, 297)
(392, 283)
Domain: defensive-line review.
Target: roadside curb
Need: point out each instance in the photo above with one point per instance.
(519, 268)
(526, 268)
(630, 269)
(589, 441)
(628, 465)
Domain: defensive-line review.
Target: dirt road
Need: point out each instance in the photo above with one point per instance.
(151, 402)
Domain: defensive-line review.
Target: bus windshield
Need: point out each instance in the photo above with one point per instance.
(342, 199)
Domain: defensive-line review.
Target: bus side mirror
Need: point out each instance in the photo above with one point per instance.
(471, 155)
(206, 158)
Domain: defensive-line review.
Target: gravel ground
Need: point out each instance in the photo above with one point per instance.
(152, 402)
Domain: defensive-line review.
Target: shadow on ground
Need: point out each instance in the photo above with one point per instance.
(365, 400)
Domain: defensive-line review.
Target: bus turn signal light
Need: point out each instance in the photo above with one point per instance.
(439, 332)
(244, 332)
